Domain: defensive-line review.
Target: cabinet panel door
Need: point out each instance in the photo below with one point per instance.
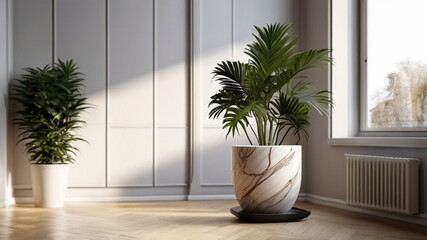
(215, 40)
(172, 81)
(32, 47)
(172, 157)
(81, 36)
(130, 157)
(89, 170)
(130, 84)
(130, 87)
(172, 92)
(216, 45)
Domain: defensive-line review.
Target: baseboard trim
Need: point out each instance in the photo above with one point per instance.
(212, 197)
(129, 199)
(141, 198)
(115, 199)
(420, 218)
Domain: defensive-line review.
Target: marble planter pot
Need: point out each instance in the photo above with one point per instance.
(266, 179)
(49, 184)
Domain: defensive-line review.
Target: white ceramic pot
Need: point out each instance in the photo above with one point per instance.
(49, 184)
(266, 179)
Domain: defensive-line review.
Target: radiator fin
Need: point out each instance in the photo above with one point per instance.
(383, 183)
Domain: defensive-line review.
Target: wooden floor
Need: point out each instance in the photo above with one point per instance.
(190, 220)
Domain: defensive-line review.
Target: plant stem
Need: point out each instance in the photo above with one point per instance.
(247, 136)
(284, 136)
(270, 135)
(260, 130)
(253, 131)
(276, 133)
(299, 138)
(265, 130)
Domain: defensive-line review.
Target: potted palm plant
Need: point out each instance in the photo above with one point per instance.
(268, 92)
(49, 102)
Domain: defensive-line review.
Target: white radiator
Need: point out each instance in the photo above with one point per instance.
(383, 183)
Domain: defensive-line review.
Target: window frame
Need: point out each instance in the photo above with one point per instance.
(344, 81)
(364, 130)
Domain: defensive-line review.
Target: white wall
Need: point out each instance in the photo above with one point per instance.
(5, 153)
(148, 70)
(325, 165)
(3, 108)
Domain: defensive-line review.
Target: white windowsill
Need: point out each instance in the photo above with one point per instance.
(408, 142)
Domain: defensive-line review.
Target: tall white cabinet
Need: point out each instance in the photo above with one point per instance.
(81, 37)
(130, 93)
(147, 65)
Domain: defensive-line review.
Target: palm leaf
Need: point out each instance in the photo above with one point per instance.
(292, 114)
(306, 93)
(236, 117)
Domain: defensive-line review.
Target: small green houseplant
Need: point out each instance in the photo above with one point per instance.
(268, 90)
(49, 102)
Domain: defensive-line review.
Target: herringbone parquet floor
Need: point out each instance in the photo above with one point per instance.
(190, 220)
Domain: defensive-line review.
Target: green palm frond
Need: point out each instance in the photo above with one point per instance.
(306, 93)
(236, 117)
(223, 100)
(291, 113)
(263, 88)
(307, 59)
(231, 75)
(273, 46)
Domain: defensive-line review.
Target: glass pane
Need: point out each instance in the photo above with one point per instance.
(396, 64)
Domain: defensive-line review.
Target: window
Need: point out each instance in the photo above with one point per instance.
(391, 35)
(394, 65)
